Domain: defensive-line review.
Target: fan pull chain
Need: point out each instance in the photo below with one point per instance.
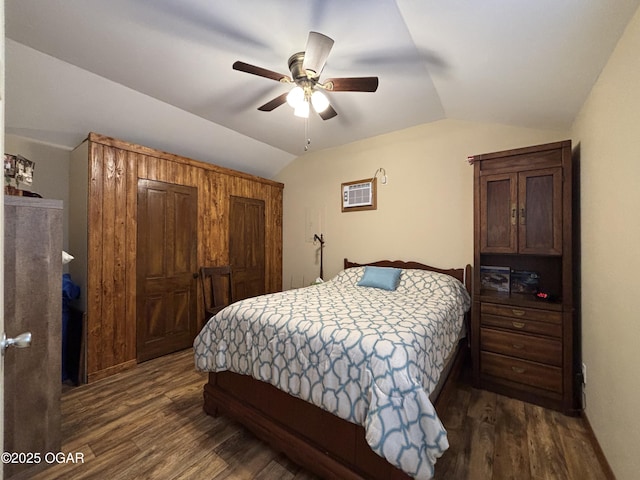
(306, 134)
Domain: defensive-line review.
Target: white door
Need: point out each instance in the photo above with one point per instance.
(2, 59)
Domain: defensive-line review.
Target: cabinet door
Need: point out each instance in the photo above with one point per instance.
(167, 243)
(32, 302)
(540, 212)
(498, 213)
(247, 246)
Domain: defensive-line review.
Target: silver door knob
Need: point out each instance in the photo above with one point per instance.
(21, 341)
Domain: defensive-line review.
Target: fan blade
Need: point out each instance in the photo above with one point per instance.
(276, 102)
(353, 84)
(261, 72)
(316, 52)
(328, 113)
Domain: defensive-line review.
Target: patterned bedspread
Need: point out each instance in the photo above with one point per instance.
(367, 355)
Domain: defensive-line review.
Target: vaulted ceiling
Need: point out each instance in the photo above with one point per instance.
(159, 72)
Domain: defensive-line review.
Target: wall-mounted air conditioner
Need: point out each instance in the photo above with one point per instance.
(359, 195)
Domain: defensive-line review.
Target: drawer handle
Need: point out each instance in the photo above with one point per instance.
(518, 324)
(518, 369)
(519, 313)
(518, 346)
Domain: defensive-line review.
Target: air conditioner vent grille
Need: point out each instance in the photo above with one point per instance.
(357, 195)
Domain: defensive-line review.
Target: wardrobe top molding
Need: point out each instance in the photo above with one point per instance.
(132, 147)
(528, 158)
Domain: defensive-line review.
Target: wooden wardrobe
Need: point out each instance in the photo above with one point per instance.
(107, 177)
(525, 345)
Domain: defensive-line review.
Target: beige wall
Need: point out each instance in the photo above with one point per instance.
(425, 212)
(51, 174)
(608, 132)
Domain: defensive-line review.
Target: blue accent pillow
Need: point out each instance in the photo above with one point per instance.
(386, 278)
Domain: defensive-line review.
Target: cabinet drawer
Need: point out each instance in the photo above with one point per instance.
(522, 325)
(521, 371)
(538, 349)
(522, 313)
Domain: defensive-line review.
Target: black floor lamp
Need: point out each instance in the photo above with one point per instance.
(321, 240)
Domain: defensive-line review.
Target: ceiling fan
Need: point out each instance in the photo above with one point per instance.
(306, 68)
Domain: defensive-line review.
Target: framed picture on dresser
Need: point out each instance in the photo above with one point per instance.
(496, 279)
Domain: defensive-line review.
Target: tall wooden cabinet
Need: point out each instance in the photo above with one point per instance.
(523, 345)
(103, 220)
(32, 303)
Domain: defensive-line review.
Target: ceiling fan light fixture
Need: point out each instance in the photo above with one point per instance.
(302, 109)
(305, 68)
(319, 101)
(295, 97)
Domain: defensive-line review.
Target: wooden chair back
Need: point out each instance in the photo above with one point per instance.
(217, 289)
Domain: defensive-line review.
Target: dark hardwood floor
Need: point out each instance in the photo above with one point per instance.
(148, 423)
(495, 437)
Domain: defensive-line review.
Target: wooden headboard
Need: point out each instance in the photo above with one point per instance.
(462, 274)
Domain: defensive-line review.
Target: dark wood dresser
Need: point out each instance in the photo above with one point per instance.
(524, 326)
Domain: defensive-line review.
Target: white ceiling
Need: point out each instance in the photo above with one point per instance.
(158, 72)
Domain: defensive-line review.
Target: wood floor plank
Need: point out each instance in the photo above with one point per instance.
(126, 426)
(210, 467)
(482, 449)
(482, 406)
(457, 410)
(106, 466)
(511, 455)
(581, 466)
(148, 422)
(454, 463)
(545, 449)
(274, 471)
(245, 454)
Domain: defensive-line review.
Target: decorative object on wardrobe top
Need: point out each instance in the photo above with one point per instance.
(18, 171)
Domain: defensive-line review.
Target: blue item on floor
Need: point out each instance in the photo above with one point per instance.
(71, 330)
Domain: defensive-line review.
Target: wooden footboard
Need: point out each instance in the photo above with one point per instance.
(313, 438)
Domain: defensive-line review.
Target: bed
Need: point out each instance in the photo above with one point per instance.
(342, 376)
